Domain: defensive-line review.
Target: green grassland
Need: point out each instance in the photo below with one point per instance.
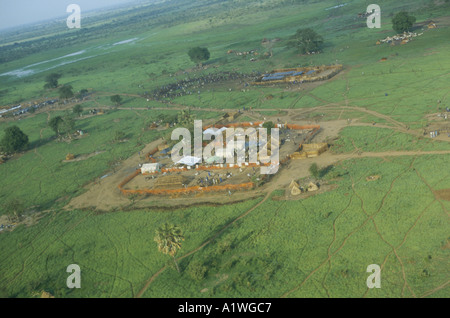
(314, 247)
(323, 243)
(374, 139)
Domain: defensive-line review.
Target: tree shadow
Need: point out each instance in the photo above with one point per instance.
(40, 142)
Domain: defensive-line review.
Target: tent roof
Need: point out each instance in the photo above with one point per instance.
(214, 159)
(151, 165)
(295, 191)
(213, 131)
(293, 184)
(189, 160)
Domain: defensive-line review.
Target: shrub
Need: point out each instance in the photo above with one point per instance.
(196, 270)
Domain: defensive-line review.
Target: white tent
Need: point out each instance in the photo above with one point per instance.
(214, 159)
(214, 131)
(189, 160)
(150, 167)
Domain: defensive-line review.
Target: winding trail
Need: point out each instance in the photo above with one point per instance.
(154, 276)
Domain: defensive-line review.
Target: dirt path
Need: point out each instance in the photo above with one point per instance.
(369, 217)
(281, 180)
(103, 193)
(151, 279)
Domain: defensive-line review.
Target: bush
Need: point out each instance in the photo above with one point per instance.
(51, 80)
(314, 170)
(65, 92)
(198, 54)
(116, 99)
(196, 270)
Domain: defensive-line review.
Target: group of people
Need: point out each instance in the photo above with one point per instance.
(212, 179)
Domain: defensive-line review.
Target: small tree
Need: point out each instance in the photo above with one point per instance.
(314, 170)
(198, 54)
(52, 80)
(14, 209)
(306, 41)
(14, 140)
(402, 22)
(185, 118)
(169, 238)
(196, 270)
(67, 126)
(116, 99)
(66, 92)
(54, 124)
(269, 125)
(133, 197)
(62, 126)
(77, 109)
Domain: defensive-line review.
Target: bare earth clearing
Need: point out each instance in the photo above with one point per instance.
(104, 194)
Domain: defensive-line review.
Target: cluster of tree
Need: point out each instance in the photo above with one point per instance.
(14, 140)
(65, 92)
(83, 92)
(403, 22)
(199, 55)
(306, 41)
(77, 109)
(51, 80)
(62, 126)
(116, 99)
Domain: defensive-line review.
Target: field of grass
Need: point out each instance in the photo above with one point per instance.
(373, 139)
(314, 247)
(322, 244)
(115, 250)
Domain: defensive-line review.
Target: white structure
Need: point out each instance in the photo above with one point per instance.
(189, 160)
(214, 131)
(150, 167)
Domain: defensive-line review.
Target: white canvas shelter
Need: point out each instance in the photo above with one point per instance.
(189, 160)
(214, 159)
(214, 131)
(150, 167)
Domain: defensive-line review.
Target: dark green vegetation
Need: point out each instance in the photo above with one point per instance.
(314, 247)
(77, 109)
(14, 140)
(51, 80)
(314, 170)
(65, 92)
(403, 22)
(306, 41)
(62, 126)
(116, 99)
(199, 54)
